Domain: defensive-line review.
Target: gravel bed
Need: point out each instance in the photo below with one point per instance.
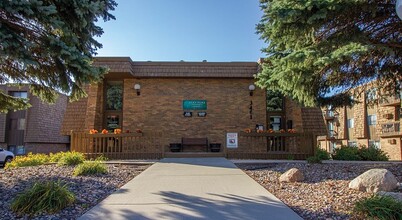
(324, 194)
(89, 190)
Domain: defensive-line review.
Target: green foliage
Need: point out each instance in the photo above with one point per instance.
(379, 207)
(90, 168)
(290, 157)
(49, 45)
(362, 153)
(48, 197)
(274, 101)
(54, 158)
(319, 156)
(372, 154)
(28, 160)
(71, 158)
(318, 47)
(346, 153)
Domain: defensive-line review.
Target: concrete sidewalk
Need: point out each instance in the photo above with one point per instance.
(191, 188)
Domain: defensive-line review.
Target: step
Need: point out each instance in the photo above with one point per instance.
(193, 154)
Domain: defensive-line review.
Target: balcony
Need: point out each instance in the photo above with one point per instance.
(391, 129)
(394, 100)
(329, 115)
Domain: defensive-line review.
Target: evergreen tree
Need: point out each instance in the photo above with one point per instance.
(49, 44)
(318, 50)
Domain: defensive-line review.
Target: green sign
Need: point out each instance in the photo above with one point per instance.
(195, 104)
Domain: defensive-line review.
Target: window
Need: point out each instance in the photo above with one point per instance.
(274, 101)
(375, 143)
(331, 130)
(371, 94)
(21, 124)
(351, 123)
(352, 144)
(275, 123)
(114, 95)
(19, 94)
(372, 119)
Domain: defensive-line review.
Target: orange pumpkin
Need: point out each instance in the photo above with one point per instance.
(104, 131)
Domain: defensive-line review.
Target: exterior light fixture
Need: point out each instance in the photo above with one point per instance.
(398, 8)
(251, 88)
(137, 88)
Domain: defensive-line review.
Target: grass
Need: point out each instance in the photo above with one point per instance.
(379, 207)
(49, 197)
(71, 158)
(62, 158)
(90, 168)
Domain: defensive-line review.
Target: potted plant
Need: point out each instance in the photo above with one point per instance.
(175, 147)
(215, 147)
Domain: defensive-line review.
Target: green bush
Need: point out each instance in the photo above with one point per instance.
(319, 155)
(48, 197)
(379, 207)
(90, 168)
(346, 153)
(313, 159)
(56, 157)
(372, 154)
(71, 158)
(28, 160)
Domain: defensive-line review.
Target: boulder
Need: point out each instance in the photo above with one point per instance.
(395, 195)
(374, 180)
(292, 175)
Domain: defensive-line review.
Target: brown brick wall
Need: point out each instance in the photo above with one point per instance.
(159, 107)
(45, 148)
(44, 121)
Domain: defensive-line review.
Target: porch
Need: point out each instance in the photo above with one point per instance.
(150, 145)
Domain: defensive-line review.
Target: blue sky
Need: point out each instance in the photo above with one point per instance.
(189, 30)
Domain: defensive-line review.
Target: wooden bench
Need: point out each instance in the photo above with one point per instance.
(188, 142)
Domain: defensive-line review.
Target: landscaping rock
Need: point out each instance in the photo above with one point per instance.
(374, 180)
(395, 195)
(291, 176)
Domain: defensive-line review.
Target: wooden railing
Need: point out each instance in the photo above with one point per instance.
(117, 146)
(277, 145)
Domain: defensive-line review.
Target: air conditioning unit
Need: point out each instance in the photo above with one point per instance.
(388, 116)
(392, 141)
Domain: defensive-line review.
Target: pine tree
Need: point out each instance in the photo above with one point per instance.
(49, 45)
(319, 50)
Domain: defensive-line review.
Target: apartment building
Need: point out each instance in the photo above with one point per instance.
(376, 125)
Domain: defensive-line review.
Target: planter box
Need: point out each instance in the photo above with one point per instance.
(215, 147)
(175, 147)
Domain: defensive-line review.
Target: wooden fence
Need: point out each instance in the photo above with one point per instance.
(117, 146)
(275, 145)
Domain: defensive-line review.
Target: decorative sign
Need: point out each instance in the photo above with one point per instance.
(231, 140)
(195, 104)
(202, 114)
(188, 114)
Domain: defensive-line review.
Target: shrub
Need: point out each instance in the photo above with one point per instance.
(71, 158)
(90, 168)
(28, 160)
(372, 154)
(379, 207)
(56, 157)
(346, 153)
(319, 155)
(313, 159)
(47, 197)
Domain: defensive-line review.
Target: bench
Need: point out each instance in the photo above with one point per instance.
(187, 142)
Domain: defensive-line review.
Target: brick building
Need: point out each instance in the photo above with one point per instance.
(186, 99)
(376, 124)
(36, 129)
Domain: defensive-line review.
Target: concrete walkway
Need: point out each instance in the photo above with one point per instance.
(191, 188)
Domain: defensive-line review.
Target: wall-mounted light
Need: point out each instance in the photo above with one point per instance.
(137, 88)
(251, 88)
